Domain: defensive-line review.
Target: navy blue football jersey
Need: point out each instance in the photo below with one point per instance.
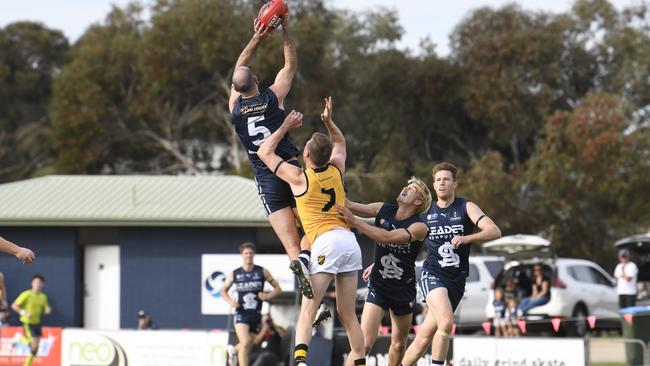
(444, 224)
(248, 284)
(394, 271)
(255, 119)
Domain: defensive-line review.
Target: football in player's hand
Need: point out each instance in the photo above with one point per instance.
(272, 13)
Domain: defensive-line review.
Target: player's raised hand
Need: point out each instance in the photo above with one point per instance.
(293, 120)
(25, 255)
(261, 31)
(366, 272)
(326, 116)
(285, 21)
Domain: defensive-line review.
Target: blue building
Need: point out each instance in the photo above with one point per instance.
(109, 246)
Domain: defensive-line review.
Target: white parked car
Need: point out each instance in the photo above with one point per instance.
(482, 273)
(579, 287)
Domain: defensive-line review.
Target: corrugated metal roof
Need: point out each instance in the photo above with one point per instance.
(67, 200)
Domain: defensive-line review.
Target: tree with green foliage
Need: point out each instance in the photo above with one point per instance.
(30, 56)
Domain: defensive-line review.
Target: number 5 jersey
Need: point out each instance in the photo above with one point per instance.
(255, 119)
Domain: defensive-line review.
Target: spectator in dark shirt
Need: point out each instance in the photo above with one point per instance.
(269, 344)
(145, 322)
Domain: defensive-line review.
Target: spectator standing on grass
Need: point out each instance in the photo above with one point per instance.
(626, 273)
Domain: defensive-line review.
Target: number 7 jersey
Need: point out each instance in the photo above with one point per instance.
(255, 119)
(317, 205)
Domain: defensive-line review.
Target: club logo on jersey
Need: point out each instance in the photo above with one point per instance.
(255, 108)
(455, 217)
(449, 257)
(321, 259)
(250, 301)
(386, 225)
(391, 269)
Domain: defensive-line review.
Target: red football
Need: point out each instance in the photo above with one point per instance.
(272, 13)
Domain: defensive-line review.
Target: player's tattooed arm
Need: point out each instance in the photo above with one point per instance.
(364, 210)
(247, 54)
(416, 231)
(489, 230)
(287, 172)
(276, 287)
(224, 291)
(246, 57)
(282, 84)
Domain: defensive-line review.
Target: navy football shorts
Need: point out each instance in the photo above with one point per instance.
(274, 192)
(252, 318)
(430, 281)
(398, 306)
(32, 330)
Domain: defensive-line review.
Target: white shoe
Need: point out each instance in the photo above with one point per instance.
(232, 355)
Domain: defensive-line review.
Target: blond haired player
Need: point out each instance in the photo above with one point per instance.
(399, 232)
(335, 252)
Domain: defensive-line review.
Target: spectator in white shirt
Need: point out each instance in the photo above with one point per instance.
(626, 272)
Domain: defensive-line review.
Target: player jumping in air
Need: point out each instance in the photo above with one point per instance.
(255, 116)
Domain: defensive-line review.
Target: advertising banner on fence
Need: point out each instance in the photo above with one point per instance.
(143, 348)
(527, 351)
(13, 352)
(215, 267)
(378, 356)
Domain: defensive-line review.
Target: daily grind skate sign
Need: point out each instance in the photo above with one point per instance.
(528, 351)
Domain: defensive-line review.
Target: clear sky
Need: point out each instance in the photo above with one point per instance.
(420, 18)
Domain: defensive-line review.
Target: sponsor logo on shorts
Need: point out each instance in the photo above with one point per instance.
(321, 259)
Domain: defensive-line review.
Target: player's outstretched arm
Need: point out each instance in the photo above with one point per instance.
(246, 56)
(416, 231)
(363, 210)
(226, 287)
(23, 254)
(489, 230)
(283, 80)
(287, 172)
(338, 140)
